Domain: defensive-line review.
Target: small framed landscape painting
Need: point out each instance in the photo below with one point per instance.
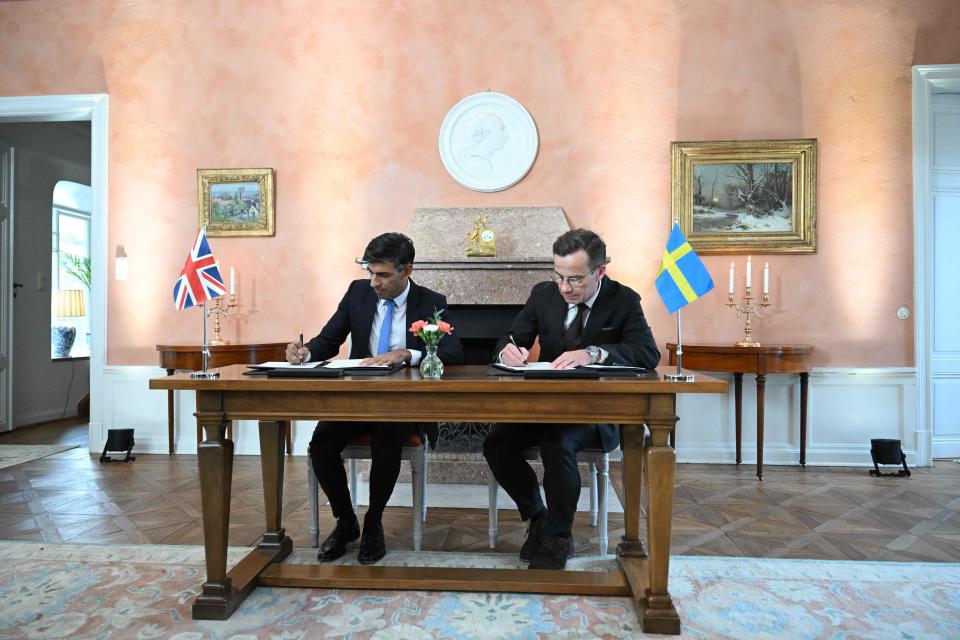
(754, 196)
(236, 202)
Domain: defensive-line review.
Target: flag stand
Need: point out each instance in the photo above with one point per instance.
(679, 376)
(206, 352)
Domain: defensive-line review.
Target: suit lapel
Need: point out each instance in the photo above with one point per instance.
(556, 314)
(414, 300)
(599, 313)
(368, 310)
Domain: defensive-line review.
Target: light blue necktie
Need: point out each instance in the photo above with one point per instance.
(383, 344)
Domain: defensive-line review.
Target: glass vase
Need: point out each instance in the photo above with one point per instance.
(431, 367)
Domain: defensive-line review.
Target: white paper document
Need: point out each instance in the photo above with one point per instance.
(531, 366)
(354, 364)
(286, 365)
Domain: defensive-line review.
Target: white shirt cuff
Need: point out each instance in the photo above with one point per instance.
(415, 356)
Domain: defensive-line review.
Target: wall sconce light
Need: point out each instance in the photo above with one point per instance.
(120, 266)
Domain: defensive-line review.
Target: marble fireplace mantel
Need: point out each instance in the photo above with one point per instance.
(524, 240)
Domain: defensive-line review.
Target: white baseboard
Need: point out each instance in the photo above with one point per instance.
(847, 407)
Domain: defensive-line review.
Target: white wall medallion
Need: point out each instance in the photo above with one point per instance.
(488, 142)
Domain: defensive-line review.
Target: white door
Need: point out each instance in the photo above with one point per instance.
(943, 164)
(6, 286)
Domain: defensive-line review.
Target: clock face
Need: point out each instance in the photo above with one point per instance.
(487, 235)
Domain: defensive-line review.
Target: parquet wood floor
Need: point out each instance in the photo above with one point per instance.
(820, 513)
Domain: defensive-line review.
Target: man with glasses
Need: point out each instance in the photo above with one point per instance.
(581, 318)
(376, 313)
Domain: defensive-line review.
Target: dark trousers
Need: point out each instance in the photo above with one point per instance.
(328, 442)
(559, 444)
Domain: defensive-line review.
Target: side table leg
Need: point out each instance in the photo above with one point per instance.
(804, 380)
(738, 404)
(761, 391)
(170, 421)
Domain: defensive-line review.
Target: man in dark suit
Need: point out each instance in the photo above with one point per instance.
(376, 313)
(581, 318)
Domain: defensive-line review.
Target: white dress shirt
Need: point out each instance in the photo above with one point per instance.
(398, 328)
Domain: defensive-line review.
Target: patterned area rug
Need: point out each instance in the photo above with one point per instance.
(82, 591)
(11, 454)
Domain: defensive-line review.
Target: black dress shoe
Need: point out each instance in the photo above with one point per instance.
(534, 536)
(372, 545)
(553, 553)
(347, 530)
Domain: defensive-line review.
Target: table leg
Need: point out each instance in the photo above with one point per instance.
(288, 430)
(804, 379)
(271, 465)
(660, 615)
(215, 462)
(761, 390)
(630, 544)
(170, 372)
(738, 404)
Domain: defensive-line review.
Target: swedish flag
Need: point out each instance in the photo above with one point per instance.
(682, 277)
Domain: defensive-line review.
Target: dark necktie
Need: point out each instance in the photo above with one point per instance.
(573, 333)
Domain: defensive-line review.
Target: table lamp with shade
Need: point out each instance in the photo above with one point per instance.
(69, 305)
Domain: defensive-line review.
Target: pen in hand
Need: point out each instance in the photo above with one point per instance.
(514, 343)
(301, 346)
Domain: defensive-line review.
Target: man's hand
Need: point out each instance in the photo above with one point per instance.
(297, 354)
(390, 357)
(570, 359)
(514, 356)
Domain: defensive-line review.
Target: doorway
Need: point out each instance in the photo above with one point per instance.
(936, 162)
(67, 109)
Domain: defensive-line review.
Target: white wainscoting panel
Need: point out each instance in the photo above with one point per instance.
(847, 407)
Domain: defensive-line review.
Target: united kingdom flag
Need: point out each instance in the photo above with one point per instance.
(200, 279)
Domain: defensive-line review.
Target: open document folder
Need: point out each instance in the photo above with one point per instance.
(543, 370)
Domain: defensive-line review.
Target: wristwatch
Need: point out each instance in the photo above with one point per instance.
(594, 353)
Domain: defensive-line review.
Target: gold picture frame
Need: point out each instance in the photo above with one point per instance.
(751, 196)
(236, 202)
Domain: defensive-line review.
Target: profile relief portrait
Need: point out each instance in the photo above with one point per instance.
(488, 136)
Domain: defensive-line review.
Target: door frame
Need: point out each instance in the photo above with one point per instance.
(93, 108)
(927, 80)
(6, 290)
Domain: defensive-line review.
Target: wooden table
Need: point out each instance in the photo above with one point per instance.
(792, 358)
(465, 394)
(189, 357)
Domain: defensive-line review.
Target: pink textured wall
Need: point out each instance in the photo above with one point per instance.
(344, 100)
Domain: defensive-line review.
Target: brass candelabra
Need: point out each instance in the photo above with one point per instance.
(217, 309)
(749, 309)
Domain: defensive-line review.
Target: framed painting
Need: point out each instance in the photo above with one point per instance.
(753, 196)
(236, 202)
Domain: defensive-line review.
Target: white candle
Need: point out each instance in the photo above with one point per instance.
(731, 278)
(766, 278)
(748, 271)
(233, 282)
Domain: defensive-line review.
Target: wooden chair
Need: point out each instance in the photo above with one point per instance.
(599, 461)
(414, 451)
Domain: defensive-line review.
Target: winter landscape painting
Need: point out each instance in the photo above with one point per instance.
(752, 196)
(745, 197)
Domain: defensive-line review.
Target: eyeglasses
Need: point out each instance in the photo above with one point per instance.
(573, 281)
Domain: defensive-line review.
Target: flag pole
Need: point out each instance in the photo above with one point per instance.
(679, 376)
(205, 352)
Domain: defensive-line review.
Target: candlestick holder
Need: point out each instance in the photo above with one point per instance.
(751, 310)
(217, 309)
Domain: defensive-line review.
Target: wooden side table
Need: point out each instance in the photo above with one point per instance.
(793, 358)
(189, 357)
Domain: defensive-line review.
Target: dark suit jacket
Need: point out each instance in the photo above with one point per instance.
(615, 324)
(354, 316)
